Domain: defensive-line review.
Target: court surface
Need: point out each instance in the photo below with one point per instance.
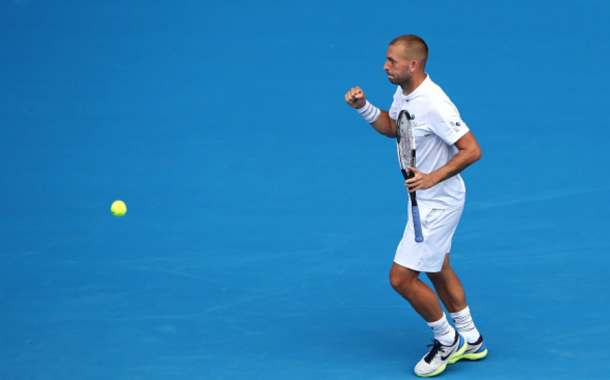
(263, 212)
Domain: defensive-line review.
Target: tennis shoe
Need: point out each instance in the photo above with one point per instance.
(436, 360)
(475, 351)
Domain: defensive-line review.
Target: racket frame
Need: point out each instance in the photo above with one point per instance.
(407, 174)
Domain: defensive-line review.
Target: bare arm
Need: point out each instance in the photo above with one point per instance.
(384, 125)
(468, 153)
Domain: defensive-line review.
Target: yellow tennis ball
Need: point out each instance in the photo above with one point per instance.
(118, 208)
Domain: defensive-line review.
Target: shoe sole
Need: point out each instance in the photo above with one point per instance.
(440, 369)
(473, 356)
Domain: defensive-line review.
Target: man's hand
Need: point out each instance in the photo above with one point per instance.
(384, 124)
(420, 181)
(355, 98)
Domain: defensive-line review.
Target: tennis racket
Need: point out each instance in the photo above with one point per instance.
(406, 156)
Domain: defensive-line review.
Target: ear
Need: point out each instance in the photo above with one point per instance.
(413, 66)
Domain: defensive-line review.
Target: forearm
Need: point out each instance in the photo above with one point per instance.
(385, 125)
(459, 162)
(468, 153)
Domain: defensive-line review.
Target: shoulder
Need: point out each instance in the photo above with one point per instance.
(436, 93)
(439, 103)
(443, 108)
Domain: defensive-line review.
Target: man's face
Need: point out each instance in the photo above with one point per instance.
(396, 65)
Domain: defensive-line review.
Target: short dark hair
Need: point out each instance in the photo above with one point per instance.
(416, 47)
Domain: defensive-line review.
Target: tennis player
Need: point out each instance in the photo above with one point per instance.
(445, 147)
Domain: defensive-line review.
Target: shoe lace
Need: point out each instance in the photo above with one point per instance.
(436, 346)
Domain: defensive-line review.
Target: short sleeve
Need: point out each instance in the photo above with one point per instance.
(447, 123)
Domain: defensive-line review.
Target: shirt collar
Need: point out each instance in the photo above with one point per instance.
(418, 90)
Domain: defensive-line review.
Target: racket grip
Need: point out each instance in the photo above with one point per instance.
(419, 237)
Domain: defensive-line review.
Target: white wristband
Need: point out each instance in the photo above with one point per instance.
(369, 112)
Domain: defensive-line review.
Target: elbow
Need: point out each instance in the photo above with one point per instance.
(477, 155)
(472, 155)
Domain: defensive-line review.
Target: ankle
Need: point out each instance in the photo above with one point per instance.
(443, 332)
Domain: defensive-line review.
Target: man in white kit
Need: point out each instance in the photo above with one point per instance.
(445, 147)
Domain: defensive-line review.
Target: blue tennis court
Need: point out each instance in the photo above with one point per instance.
(264, 213)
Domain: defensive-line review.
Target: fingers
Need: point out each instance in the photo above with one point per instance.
(413, 170)
(355, 97)
(413, 184)
(414, 177)
(417, 182)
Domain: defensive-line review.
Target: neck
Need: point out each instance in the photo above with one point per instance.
(414, 82)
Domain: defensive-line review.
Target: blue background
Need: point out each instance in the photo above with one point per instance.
(264, 212)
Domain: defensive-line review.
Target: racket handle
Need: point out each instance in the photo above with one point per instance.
(419, 237)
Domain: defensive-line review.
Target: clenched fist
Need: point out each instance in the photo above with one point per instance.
(355, 98)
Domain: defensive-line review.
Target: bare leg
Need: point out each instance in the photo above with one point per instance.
(423, 299)
(449, 287)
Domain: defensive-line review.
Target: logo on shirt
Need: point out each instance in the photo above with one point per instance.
(456, 125)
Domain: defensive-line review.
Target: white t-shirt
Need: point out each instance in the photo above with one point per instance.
(437, 127)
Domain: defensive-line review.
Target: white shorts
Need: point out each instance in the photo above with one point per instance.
(438, 226)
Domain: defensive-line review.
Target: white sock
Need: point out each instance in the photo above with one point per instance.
(443, 332)
(465, 325)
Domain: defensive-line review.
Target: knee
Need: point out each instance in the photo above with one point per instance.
(395, 280)
(402, 284)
